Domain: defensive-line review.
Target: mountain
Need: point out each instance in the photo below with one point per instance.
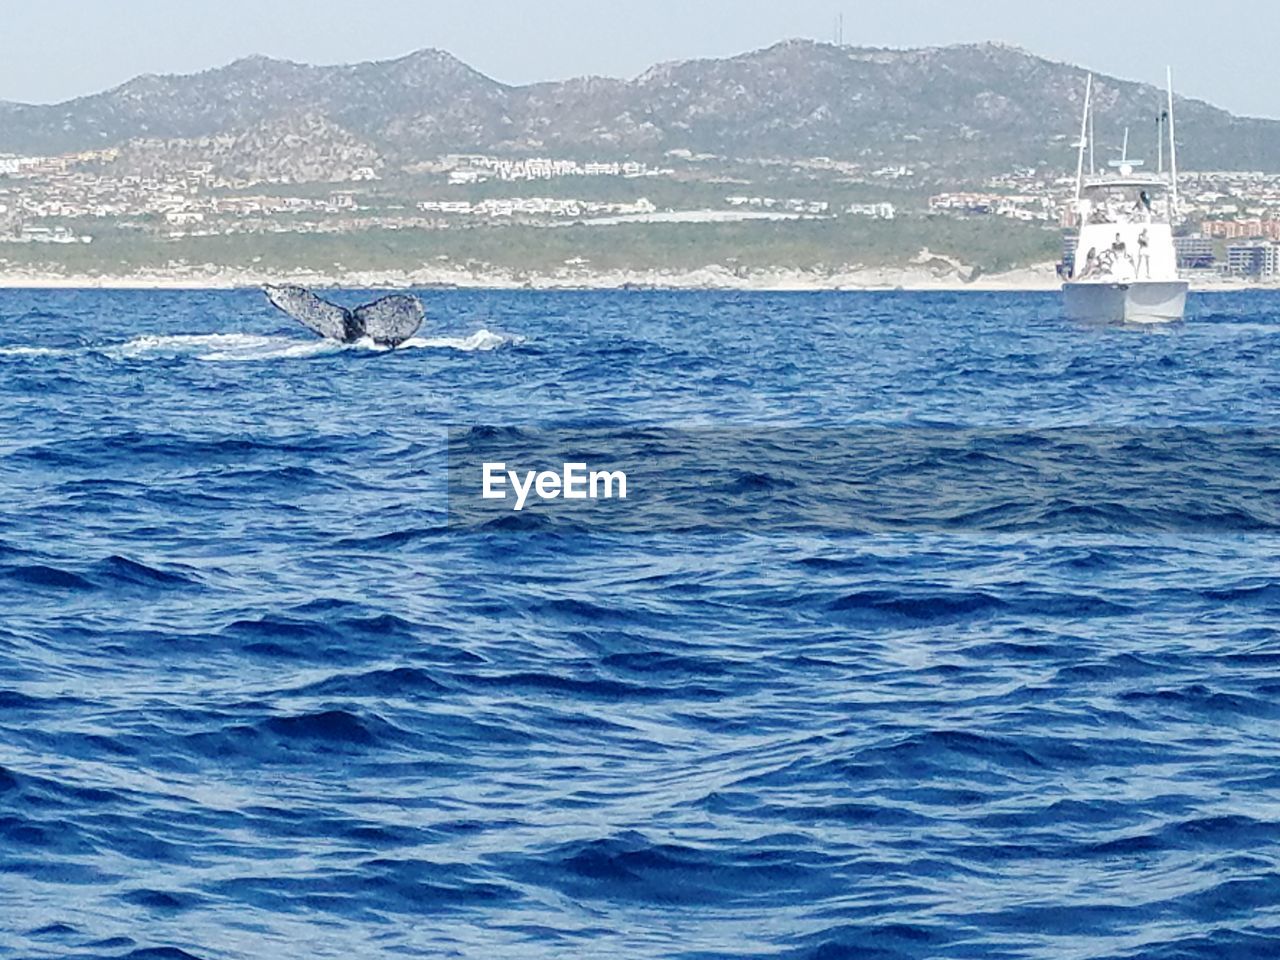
(298, 148)
(974, 108)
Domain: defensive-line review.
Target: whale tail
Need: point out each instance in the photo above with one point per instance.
(392, 320)
(389, 322)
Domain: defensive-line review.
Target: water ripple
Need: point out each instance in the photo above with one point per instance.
(258, 697)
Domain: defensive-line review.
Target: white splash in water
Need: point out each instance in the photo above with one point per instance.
(31, 351)
(481, 340)
(216, 346)
(274, 348)
(248, 347)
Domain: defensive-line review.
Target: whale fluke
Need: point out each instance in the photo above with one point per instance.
(389, 322)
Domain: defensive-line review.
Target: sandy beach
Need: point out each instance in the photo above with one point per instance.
(938, 274)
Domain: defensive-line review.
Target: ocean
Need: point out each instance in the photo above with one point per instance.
(268, 688)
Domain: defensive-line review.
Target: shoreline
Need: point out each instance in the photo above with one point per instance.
(913, 278)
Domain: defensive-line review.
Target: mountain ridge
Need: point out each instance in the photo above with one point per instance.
(981, 107)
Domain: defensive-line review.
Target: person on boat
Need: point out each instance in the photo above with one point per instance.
(1119, 249)
(1090, 263)
(1144, 254)
(1142, 207)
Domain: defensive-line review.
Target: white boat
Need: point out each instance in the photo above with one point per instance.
(1125, 266)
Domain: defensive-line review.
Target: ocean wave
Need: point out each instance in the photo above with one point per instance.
(46, 576)
(259, 695)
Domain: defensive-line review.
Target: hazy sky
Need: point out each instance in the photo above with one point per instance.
(1224, 51)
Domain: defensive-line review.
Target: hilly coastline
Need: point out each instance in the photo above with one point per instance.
(802, 164)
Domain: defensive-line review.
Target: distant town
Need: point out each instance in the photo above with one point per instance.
(1230, 220)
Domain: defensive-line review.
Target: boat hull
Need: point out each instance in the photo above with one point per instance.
(1141, 301)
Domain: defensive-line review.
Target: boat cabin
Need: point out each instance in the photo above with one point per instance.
(1125, 231)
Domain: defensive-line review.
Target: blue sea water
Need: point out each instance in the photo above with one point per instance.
(259, 698)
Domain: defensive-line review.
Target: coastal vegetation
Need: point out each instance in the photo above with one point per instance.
(823, 245)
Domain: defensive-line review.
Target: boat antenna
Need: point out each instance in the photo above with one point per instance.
(1173, 148)
(1124, 150)
(1084, 134)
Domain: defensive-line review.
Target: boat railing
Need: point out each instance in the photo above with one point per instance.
(1123, 216)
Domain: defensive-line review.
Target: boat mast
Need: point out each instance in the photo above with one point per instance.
(1091, 167)
(1084, 133)
(1160, 119)
(1173, 149)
